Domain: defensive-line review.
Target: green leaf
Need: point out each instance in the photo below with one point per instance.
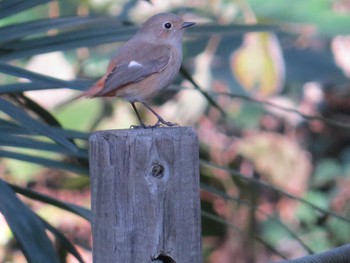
(30, 104)
(45, 162)
(210, 29)
(339, 230)
(65, 243)
(8, 127)
(107, 32)
(29, 143)
(326, 171)
(31, 86)
(41, 79)
(20, 30)
(309, 216)
(315, 14)
(35, 125)
(27, 228)
(21, 87)
(82, 37)
(78, 210)
(10, 7)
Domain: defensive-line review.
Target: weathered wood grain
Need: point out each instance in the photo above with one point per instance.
(145, 196)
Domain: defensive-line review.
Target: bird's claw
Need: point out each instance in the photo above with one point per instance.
(159, 123)
(166, 123)
(162, 123)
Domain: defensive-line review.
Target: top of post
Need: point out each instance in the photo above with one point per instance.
(164, 131)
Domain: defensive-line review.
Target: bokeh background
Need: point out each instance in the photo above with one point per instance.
(265, 83)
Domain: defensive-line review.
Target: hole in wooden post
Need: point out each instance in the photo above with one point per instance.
(157, 170)
(164, 259)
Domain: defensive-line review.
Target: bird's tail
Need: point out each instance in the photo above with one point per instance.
(90, 92)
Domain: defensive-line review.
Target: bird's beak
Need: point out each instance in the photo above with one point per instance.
(187, 24)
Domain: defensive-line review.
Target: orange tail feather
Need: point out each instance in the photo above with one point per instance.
(92, 91)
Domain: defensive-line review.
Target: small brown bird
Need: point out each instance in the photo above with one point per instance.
(145, 65)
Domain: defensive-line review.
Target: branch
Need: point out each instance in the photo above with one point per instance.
(305, 116)
(335, 255)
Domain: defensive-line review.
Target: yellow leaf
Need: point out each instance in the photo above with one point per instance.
(258, 65)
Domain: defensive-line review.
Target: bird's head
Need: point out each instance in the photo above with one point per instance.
(165, 27)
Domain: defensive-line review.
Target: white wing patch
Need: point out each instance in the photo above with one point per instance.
(134, 64)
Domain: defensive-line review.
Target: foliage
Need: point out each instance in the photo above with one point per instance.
(271, 109)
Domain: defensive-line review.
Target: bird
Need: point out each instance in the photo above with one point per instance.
(145, 65)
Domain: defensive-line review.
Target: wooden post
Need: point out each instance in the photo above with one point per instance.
(145, 196)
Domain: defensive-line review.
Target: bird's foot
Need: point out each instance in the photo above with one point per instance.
(169, 124)
(162, 122)
(159, 123)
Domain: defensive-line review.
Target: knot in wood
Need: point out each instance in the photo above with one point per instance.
(163, 259)
(157, 170)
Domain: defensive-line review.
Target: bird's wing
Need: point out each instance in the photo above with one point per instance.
(143, 63)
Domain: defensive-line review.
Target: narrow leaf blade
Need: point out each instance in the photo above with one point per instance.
(33, 124)
(27, 228)
(78, 210)
(65, 243)
(45, 162)
(11, 7)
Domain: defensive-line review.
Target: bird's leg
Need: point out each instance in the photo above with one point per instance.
(160, 119)
(138, 116)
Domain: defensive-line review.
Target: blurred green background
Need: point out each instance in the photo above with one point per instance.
(264, 83)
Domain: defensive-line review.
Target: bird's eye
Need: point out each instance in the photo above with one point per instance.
(167, 25)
